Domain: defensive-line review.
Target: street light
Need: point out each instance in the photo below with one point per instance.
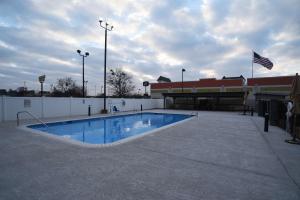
(183, 70)
(86, 86)
(106, 28)
(83, 56)
(145, 84)
(41, 80)
(112, 72)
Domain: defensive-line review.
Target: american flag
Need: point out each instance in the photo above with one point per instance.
(262, 60)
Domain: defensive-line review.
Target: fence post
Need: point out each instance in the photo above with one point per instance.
(70, 106)
(42, 106)
(266, 128)
(3, 108)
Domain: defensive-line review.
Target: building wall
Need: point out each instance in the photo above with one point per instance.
(234, 89)
(282, 89)
(208, 89)
(157, 93)
(47, 107)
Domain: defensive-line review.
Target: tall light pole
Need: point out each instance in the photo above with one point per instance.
(145, 84)
(83, 56)
(86, 86)
(42, 80)
(106, 28)
(183, 70)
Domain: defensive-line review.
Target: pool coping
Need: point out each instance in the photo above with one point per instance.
(88, 145)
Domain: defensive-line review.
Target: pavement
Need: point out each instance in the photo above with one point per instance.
(219, 155)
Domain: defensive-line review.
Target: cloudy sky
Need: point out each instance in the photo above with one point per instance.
(150, 38)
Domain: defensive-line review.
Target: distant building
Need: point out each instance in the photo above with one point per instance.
(207, 79)
(276, 84)
(45, 93)
(21, 89)
(269, 95)
(268, 88)
(163, 79)
(30, 93)
(234, 78)
(203, 85)
(228, 93)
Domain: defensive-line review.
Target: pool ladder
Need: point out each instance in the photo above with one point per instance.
(18, 118)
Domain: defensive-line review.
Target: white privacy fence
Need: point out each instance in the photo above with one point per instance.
(44, 107)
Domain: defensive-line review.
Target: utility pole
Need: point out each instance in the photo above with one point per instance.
(183, 70)
(83, 56)
(106, 28)
(42, 80)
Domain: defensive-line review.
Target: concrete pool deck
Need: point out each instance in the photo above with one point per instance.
(218, 155)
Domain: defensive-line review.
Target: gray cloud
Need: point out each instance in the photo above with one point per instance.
(151, 38)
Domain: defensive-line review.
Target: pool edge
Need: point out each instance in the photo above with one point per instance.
(87, 145)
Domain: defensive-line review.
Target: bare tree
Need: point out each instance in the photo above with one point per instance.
(65, 84)
(120, 82)
(67, 87)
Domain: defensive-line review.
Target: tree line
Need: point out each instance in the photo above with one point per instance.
(120, 83)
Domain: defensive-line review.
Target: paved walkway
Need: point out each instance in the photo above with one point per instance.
(218, 156)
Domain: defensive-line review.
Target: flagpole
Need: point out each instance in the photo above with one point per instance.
(252, 63)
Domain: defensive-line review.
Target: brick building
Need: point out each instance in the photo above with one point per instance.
(201, 91)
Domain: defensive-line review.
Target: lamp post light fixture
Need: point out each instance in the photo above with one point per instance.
(183, 70)
(42, 80)
(146, 84)
(83, 56)
(106, 27)
(112, 72)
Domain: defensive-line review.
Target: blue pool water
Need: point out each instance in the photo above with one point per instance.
(109, 129)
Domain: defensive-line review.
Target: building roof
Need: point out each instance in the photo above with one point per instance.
(233, 77)
(207, 79)
(162, 78)
(276, 80)
(200, 83)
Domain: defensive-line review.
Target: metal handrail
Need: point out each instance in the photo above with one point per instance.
(18, 119)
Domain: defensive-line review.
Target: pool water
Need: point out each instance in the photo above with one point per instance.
(109, 129)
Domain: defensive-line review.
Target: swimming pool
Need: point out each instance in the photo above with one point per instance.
(105, 130)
